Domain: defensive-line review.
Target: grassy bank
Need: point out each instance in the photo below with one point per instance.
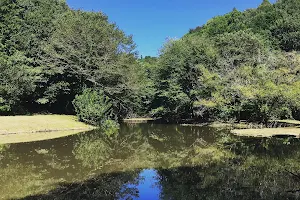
(268, 132)
(15, 129)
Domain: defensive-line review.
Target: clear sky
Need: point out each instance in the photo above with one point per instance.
(152, 22)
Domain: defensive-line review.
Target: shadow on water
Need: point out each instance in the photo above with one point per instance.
(151, 161)
(105, 186)
(177, 183)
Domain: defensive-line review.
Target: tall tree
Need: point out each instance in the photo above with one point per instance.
(85, 50)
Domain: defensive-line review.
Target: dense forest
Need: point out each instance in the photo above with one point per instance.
(239, 66)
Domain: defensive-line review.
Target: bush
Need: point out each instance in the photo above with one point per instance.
(93, 107)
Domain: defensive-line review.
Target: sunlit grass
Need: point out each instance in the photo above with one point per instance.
(40, 123)
(219, 125)
(138, 120)
(268, 132)
(17, 129)
(288, 121)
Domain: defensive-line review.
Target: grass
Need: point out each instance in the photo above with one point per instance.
(40, 123)
(288, 121)
(16, 129)
(138, 120)
(224, 125)
(219, 125)
(268, 132)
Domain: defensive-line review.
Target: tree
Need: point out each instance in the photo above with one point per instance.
(177, 76)
(25, 25)
(17, 83)
(87, 51)
(242, 47)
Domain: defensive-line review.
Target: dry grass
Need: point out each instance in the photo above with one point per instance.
(138, 120)
(268, 132)
(40, 123)
(288, 121)
(219, 125)
(16, 129)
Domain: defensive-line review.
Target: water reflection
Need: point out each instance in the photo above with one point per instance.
(148, 187)
(150, 161)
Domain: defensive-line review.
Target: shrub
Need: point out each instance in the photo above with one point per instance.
(93, 107)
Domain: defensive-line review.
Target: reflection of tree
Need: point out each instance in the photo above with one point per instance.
(192, 163)
(104, 186)
(274, 147)
(224, 182)
(142, 146)
(176, 137)
(32, 168)
(112, 153)
(100, 157)
(255, 169)
(3, 149)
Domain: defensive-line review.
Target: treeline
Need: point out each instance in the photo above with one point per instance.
(243, 65)
(239, 66)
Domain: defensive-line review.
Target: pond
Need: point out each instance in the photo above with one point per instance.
(152, 161)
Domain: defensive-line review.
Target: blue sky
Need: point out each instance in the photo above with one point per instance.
(152, 22)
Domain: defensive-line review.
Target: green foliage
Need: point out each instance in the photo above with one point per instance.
(93, 107)
(25, 26)
(278, 22)
(240, 48)
(287, 32)
(234, 67)
(255, 93)
(177, 75)
(110, 127)
(87, 51)
(17, 82)
(59, 52)
(230, 22)
(145, 84)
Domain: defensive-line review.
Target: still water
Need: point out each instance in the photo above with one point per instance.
(151, 161)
